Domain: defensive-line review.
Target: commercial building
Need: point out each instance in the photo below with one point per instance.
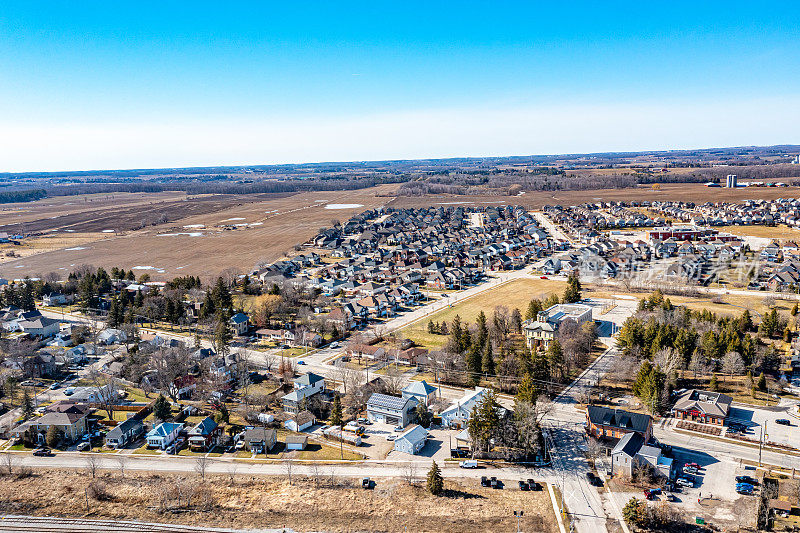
(541, 331)
(702, 406)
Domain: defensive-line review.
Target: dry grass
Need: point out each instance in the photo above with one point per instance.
(327, 505)
(780, 232)
(517, 293)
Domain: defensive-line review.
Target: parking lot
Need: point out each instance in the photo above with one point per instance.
(758, 419)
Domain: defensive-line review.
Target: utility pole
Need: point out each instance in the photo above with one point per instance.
(518, 514)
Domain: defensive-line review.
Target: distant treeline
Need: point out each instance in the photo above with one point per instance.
(328, 183)
(28, 195)
(495, 183)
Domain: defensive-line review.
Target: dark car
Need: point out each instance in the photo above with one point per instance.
(366, 483)
(484, 481)
(533, 485)
(783, 422)
(42, 452)
(524, 485)
(746, 479)
(495, 483)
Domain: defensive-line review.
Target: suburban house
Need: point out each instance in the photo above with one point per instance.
(69, 417)
(632, 452)
(54, 298)
(300, 422)
(40, 326)
(420, 391)
(412, 440)
(260, 439)
(163, 435)
(542, 330)
(305, 386)
(111, 336)
(390, 409)
(204, 435)
(605, 423)
(240, 323)
(457, 415)
(702, 406)
(296, 442)
(124, 433)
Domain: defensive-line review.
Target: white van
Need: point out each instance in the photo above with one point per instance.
(468, 464)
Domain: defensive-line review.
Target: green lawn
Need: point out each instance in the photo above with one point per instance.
(144, 450)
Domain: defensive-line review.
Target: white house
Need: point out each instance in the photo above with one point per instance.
(300, 422)
(54, 298)
(305, 386)
(390, 409)
(40, 327)
(457, 415)
(111, 336)
(412, 440)
(163, 435)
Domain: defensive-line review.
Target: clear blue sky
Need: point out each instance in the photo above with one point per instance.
(140, 84)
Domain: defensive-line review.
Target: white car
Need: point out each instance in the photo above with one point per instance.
(390, 437)
(84, 447)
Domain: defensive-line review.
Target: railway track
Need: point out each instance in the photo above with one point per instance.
(46, 524)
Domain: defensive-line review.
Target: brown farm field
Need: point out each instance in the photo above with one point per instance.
(305, 505)
(691, 192)
(239, 233)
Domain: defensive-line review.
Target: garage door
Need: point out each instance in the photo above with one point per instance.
(393, 420)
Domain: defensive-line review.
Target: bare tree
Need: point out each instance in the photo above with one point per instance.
(200, 466)
(669, 360)
(315, 473)
(410, 472)
(733, 364)
(121, 464)
(232, 473)
(107, 389)
(92, 463)
(287, 467)
(170, 363)
(8, 462)
(393, 379)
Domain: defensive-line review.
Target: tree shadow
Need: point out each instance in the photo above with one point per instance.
(456, 494)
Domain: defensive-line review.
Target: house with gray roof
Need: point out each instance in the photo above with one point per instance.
(124, 433)
(631, 452)
(421, 391)
(412, 440)
(392, 410)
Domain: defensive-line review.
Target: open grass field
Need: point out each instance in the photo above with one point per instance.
(245, 501)
(728, 304)
(238, 233)
(779, 232)
(517, 293)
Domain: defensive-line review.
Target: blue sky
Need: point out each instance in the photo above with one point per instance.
(140, 84)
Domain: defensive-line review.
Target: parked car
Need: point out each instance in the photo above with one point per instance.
(171, 450)
(334, 345)
(54, 386)
(84, 447)
(366, 483)
(692, 465)
(746, 479)
(783, 422)
(690, 470)
(534, 485)
(485, 481)
(685, 481)
(495, 483)
(744, 486)
(301, 362)
(390, 437)
(468, 464)
(398, 429)
(42, 452)
(523, 485)
(69, 391)
(744, 491)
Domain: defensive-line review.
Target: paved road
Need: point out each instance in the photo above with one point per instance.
(42, 524)
(551, 227)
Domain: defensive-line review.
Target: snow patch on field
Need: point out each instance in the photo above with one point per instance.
(186, 233)
(235, 218)
(76, 248)
(343, 206)
(195, 226)
(107, 231)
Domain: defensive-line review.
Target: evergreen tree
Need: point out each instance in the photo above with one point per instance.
(527, 392)
(222, 296)
(431, 328)
(762, 382)
(555, 358)
(483, 332)
(540, 370)
(162, 410)
(516, 321)
(336, 411)
(474, 360)
(488, 360)
(534, 307)
(572, 293)
(435, 482)
(222, 335)
(27, 405)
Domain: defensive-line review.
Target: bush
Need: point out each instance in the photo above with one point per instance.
(97, 491)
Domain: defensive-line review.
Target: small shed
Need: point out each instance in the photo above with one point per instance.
(300, 422)
(296, 442)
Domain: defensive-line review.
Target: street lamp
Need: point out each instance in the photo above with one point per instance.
(518, 514)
